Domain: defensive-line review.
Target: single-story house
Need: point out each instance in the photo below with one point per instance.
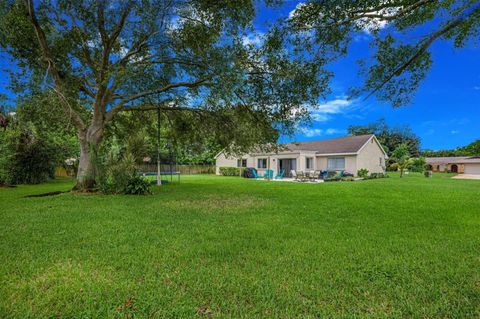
(458, 164)
(446, 164)
(349, 153)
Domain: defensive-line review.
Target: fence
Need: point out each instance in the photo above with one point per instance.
(183, 169)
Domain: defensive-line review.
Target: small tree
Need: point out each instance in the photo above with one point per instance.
(418, 165)
(401, 155)
(26, 157)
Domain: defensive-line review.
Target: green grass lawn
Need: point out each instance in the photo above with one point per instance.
(229, 247)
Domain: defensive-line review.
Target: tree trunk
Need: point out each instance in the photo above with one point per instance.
(401, 172)
(88, 163)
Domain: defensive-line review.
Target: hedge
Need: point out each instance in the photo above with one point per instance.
(230, 171)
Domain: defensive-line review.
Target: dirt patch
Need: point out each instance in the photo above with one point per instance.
(7, 186)
(44, 194)
(217, 203)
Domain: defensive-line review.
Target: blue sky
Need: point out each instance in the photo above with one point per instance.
(445, 112)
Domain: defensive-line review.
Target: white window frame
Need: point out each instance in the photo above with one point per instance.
(336, 161)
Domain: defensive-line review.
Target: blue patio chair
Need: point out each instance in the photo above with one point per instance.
(256, 175)
(269, 174)
(280, 175)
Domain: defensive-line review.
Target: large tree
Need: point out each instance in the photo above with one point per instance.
(403, 32)
(389, 137)
(103, 57)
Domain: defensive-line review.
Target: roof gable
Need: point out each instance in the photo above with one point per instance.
(341, 145)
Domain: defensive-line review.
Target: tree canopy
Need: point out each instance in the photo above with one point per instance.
(186, 58)
(401, 48)
(389, 137)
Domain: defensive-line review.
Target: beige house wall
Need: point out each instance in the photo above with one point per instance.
(223, 161)
(369, 157)
(447, 168)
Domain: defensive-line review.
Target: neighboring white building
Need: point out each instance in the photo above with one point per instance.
(348, 154)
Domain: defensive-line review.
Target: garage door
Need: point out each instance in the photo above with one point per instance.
(472, 168)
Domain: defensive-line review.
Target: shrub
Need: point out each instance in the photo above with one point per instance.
(25, 157)
(332, 176)
(121, 177)
(229, 171)
(363, 172)
(138, 186)
(377, 175)
(418, 165)
(394, 167)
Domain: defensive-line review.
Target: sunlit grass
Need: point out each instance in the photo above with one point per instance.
(229, 247)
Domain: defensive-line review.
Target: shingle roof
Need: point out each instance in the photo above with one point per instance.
(348, 144)
(446, 160)
(473, 159)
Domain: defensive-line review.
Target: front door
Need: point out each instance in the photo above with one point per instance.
(287, 164)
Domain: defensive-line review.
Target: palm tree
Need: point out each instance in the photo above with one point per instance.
(401, 155)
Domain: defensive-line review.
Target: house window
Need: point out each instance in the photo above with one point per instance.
(309, 163)
(262, 163)
(336, 164)
(242, 162)
(381, 161)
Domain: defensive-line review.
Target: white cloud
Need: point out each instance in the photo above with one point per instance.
(291, 14)
(369, 24)
(454, 131)
(318, 117)
(255, 39)
(312, 132)
(477, 88)
(334, 131)
(334, 106)
(323, 112)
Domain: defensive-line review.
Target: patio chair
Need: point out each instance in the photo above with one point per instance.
(301, 176)
(269, 173)
(323, 174)
(280, 175)
(294, 175)
(317, 174)
(312, 176)
(256, 175)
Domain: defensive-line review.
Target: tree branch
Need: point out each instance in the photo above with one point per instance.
(121, 23)
(424, 46)
(118, 107)
(52, 68)
(101, 21)
(373, 13)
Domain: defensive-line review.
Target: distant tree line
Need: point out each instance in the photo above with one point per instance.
(471, 149)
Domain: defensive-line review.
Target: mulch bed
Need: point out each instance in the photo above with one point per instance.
(44, 194)
(7, 186)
